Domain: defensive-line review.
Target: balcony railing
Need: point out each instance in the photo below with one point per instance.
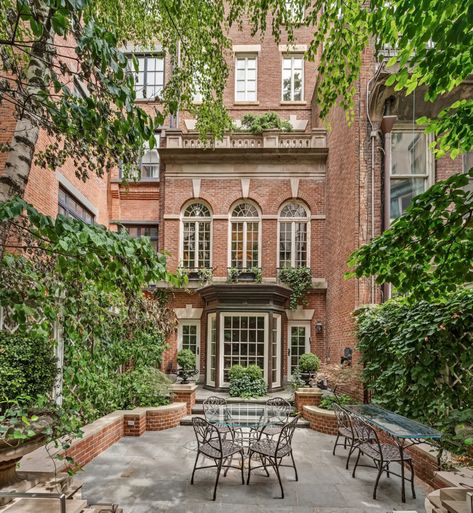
(275, 139)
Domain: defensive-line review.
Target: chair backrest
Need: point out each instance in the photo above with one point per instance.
(343, 417)
(286, 434)
(278, 407)
(207, 433)
(365, 432)
(213, 405)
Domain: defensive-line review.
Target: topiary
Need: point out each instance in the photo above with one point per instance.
(186, 359)
(309, 362)
(28, 367)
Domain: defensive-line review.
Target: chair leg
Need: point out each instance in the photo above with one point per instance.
(195, 466)
(219, 468)
(242, 454)
(356, 463)
(294, 465)
(380, 471)
(250, 454)
(276, 469)
(336, 443)
(411, 466)
(350, 452)
(228, 468)
(345, 442)
(263, 461)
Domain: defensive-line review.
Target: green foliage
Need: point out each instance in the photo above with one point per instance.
(234, 274)
(309, 362)
(146, 386)
(27, 367)
(299, 279)
(417, 358)
(247, 382)
(92, 281)
(296, 380)
(256, 124)
(328, 401)
(186, 359)
(428, 251)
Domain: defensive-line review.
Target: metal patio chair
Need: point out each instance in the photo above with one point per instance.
(211, 445)
(272, 452)
(278, 409)
(344, 430)
(382, 454)
(213, 406)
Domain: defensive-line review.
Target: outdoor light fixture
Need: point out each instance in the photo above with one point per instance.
(319, 327)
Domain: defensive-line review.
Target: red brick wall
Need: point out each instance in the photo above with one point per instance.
(301, 400)
(166, 417)
(321, 420)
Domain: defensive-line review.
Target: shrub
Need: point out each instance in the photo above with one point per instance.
(309, 362)
(328, 401)
(27, 367)
(417, 358)
(186, 359)
(146, 386)
(255, 123)
(296, 380)
(246, 381)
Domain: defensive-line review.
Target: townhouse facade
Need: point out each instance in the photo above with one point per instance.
(235, 215)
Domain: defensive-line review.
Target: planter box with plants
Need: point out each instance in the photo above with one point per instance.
(251, 275)
(202, 275)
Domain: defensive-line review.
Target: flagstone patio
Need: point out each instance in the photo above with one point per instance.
(151, 474)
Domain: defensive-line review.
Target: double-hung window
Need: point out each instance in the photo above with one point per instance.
(149, 79)
(293, 236)
(70, 206)
(244, 236)
(410, 170)
(149, 162)
(245, 78)
(196, 237)
(292, 78)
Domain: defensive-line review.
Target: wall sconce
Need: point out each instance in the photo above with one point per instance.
(319, 327)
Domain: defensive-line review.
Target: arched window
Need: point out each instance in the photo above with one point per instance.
(196, 235)
(293, 236)
(244, 236)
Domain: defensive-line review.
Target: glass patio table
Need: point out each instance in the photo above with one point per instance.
(404, 431)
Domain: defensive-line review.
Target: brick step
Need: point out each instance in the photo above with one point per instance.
(234, 400)
(198, 409)
(187, 421)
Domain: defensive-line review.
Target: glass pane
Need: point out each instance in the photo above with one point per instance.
(408, 153)
(403, 191)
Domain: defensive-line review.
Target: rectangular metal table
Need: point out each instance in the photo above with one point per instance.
(404, 431)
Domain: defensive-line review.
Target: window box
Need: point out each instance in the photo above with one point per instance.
(252, 275)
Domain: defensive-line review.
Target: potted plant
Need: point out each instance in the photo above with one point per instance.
(309, 364)
(252, 274)
(186, 362)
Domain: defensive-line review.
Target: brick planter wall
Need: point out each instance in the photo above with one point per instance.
(184, 394)
(165, 417)
(306, 397)
(104, 432)
(320, 420)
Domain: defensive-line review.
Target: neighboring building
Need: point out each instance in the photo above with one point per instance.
(258, 203)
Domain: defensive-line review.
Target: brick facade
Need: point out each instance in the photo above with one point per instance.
(338, 175)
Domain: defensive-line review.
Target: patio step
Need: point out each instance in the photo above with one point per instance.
(187, 421)
(234, 400)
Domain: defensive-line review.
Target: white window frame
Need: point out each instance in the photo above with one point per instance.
(277, 318)
(221, 340)
(245, 57)
(296, 324)
(244, 220)
(292, 56)
(181, 235)
(140, 94)
(190, 322)
(210, 317)
(428, 176)
(293, 221)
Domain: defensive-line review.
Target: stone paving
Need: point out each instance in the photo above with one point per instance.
(151, 474)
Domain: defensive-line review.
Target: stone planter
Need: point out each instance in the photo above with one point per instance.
(184, 393)
(306, 397)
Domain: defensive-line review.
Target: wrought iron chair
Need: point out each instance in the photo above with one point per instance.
(279, 409)
(382, 454)
(344, 430)
(213, 408)
(211, 445)
(272, 452)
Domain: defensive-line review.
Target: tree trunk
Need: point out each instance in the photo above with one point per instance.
(14, 178)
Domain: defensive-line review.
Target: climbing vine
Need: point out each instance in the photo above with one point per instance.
(299, 279)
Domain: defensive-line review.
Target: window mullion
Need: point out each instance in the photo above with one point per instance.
(292, 79)
(196, 249)
(245, 243)
(293, 244)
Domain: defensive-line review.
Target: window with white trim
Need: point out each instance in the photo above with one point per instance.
(196, 236)
(293, 236)
(410, 173)
(149, 162)
(149, 79)
(292, 78)
(245, 78)
(244, 221)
